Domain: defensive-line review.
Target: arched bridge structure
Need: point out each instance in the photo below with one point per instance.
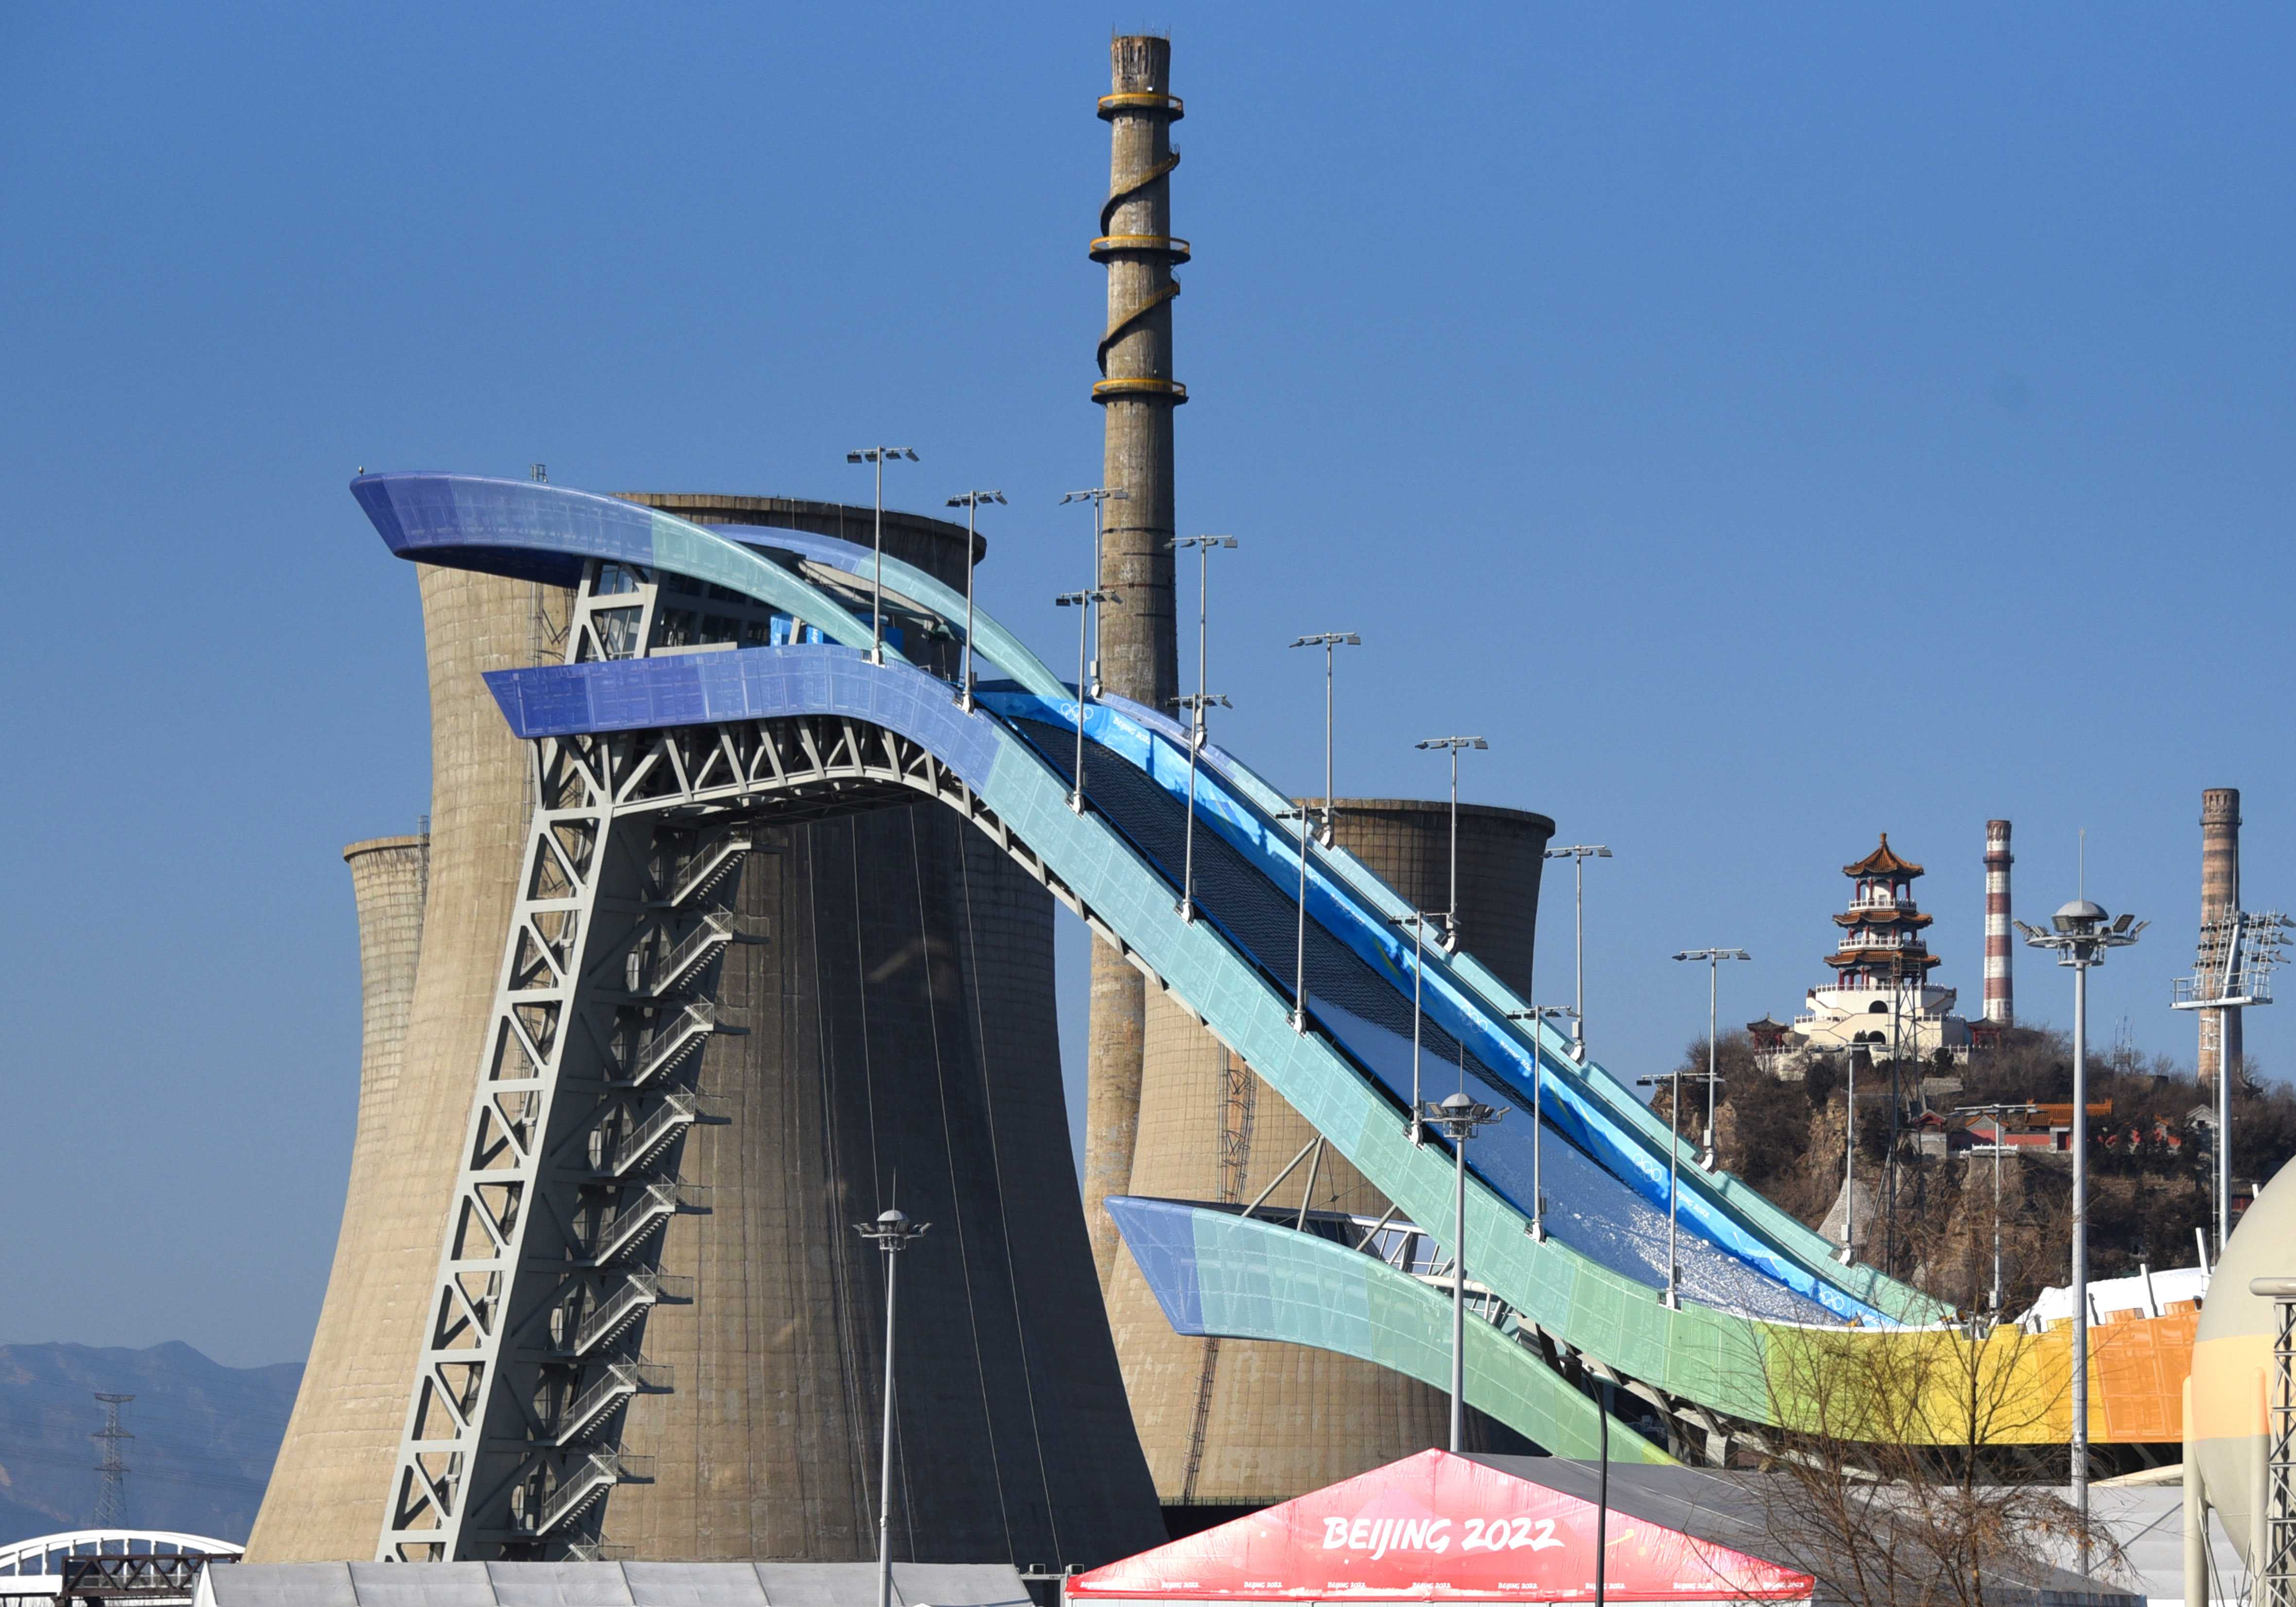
(664, 741)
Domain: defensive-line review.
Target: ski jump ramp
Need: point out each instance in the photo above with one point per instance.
(648, 752)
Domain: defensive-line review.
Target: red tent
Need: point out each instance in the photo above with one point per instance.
(1438, 1528)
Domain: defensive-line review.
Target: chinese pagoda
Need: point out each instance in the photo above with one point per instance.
(1881, 994)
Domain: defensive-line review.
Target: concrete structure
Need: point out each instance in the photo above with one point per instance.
(1881, 999)
(391, 878)
(2220, 1038)
(887, 1013)
(1236, 1422)
(1139, 652)
(2000, 987)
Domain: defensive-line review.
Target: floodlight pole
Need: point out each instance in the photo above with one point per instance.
(1329, 641)
(2079, 934)
(1459, 1117)
(1417, 920)
(1536, 1015)
(1197, 703)
(1082, 602)
(892, 1231)
(1578, 853)
(876, 456)
(2240, 949)
(1303, 815)
(1454, 744)
(970, 501)
(1602, 1494)
(1713, 958)
(1099, 497)
(1996, 1111)
(1204, 546)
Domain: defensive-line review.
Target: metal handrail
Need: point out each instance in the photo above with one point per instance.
(658, 1201)
(680, 1108)
(639, 1290)
(716, 931)
(705, 867)
(672, 1038)
(597, 1473)
(622, 1379)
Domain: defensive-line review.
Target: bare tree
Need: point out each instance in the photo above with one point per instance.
(1886, 1480)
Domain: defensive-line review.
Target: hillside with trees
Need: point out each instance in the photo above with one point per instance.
(1927, 1212)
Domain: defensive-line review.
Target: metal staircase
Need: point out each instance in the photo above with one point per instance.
(587, 1087)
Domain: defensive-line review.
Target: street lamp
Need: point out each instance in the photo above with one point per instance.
(1082, 602)
(1416, 921)
(1451, 916)
(1535, 1015)
(1713, 958)
(2081, 933)
(1457, 1117)
(1099, 497)
(1578, 853)
(970, 501)
(892, 1233)
(1329, 641)
(876, 455)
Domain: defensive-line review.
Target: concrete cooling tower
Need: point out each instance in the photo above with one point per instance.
(883, 1030)
(1230, 1423)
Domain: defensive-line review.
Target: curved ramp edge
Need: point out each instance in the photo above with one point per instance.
(1214, 1273)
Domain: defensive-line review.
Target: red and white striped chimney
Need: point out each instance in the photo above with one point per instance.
(2000, 995)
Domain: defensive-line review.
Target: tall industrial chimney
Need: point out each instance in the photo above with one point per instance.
(2220, 1044)
(2000, 990)
(1139, 650)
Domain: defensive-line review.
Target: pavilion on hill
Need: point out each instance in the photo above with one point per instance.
(1880, 998)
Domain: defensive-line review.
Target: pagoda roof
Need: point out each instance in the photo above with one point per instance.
(1881, 960)
(1882, 862)
(1882, 917)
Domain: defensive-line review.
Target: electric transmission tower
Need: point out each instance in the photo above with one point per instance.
(111, 1492)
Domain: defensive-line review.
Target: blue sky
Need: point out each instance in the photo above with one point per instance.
(1769, 426)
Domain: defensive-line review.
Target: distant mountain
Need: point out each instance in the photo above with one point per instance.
(205, 1437)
